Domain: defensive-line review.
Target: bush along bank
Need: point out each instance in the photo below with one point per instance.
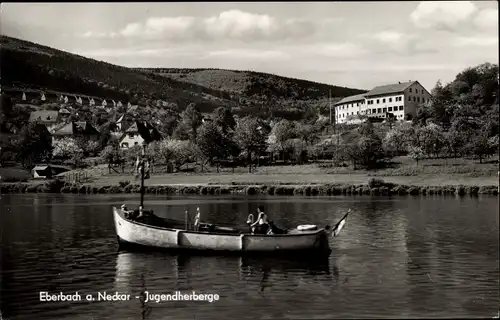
(373, 188)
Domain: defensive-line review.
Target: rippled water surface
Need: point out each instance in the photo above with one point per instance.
(397, 257)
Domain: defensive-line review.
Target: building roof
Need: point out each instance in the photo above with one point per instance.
(42, 167)
(389, 88)
(76, 127)
(358, 97)
(47, 116)
(147, 131)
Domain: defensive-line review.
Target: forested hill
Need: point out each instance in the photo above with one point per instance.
(27, 65)
(251, 83)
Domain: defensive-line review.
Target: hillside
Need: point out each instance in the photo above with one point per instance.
(29, 66)
(251, 83)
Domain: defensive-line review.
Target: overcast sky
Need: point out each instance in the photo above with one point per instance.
(353, 44)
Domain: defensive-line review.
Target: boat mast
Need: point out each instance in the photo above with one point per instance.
(142, 173)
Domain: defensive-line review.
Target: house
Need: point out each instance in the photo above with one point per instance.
(47, 171)
(49, 118)
(138, 133)
(77, 129)
(399, 100)
(64, 113)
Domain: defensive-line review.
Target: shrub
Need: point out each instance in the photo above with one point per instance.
(376, 183)
(123, 183)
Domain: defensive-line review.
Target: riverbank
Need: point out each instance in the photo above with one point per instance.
(372, 187)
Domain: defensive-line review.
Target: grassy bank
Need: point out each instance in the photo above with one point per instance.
(374, 187)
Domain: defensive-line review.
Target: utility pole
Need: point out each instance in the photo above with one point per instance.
(330, 104)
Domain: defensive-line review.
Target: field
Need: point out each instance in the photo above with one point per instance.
(432, 172)
(404, 171)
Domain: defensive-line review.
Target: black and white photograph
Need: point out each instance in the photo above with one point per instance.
(249, 160)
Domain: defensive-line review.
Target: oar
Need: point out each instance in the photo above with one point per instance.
(340, 225)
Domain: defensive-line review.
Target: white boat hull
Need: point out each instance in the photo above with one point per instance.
(131, 232)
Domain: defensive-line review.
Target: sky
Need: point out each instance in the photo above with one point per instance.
(352, 44)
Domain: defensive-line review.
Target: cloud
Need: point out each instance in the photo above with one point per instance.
(228, 25)
(480, 41)
(487, 19)
(442, 15)
(392, 37)
(249, 54)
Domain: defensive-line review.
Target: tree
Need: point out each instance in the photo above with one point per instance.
(223, 117)
(416, 153)
(212, 142)
(441, 104)
(169, 121)
(283, 131)
(399, 138)
(369, 151)
(35, 144)
(6, 107)
(298, 149)
(455, 141)
(112, 155)
(480, 146)
(431, 139)
(181, 132)
(67, 148)
(307, 133)
(175, 151)
(192, 119)
(249, 138)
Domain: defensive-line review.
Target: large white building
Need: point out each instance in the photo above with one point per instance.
(400, 99)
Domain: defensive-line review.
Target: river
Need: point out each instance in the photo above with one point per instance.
(397, 257)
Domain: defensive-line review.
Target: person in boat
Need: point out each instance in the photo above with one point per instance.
(125, 211)
(261, 226)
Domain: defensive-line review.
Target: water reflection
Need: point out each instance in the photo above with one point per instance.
(396, 257)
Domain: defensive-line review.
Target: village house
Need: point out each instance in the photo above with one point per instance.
(138, 133)
(44, 171)
(50, 118)
(77, 129)
(399, 100)
(64, 113)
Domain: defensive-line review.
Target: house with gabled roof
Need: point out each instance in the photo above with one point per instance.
(77, 129)
(138, 133)
(49, 118)
(400, 100)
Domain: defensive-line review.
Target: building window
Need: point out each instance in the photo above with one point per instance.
(125, 145)
(358, 103)
(379, 110)
(378, 101)
(410, 89)
(374, 110)
(390, 99)
(418, 99)
(400, 108)
(414, 99)
(384, 110)
(390, 109)
(136, 143)
(422, 91)
(383, 100)
(409, 98)
(131, 135)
